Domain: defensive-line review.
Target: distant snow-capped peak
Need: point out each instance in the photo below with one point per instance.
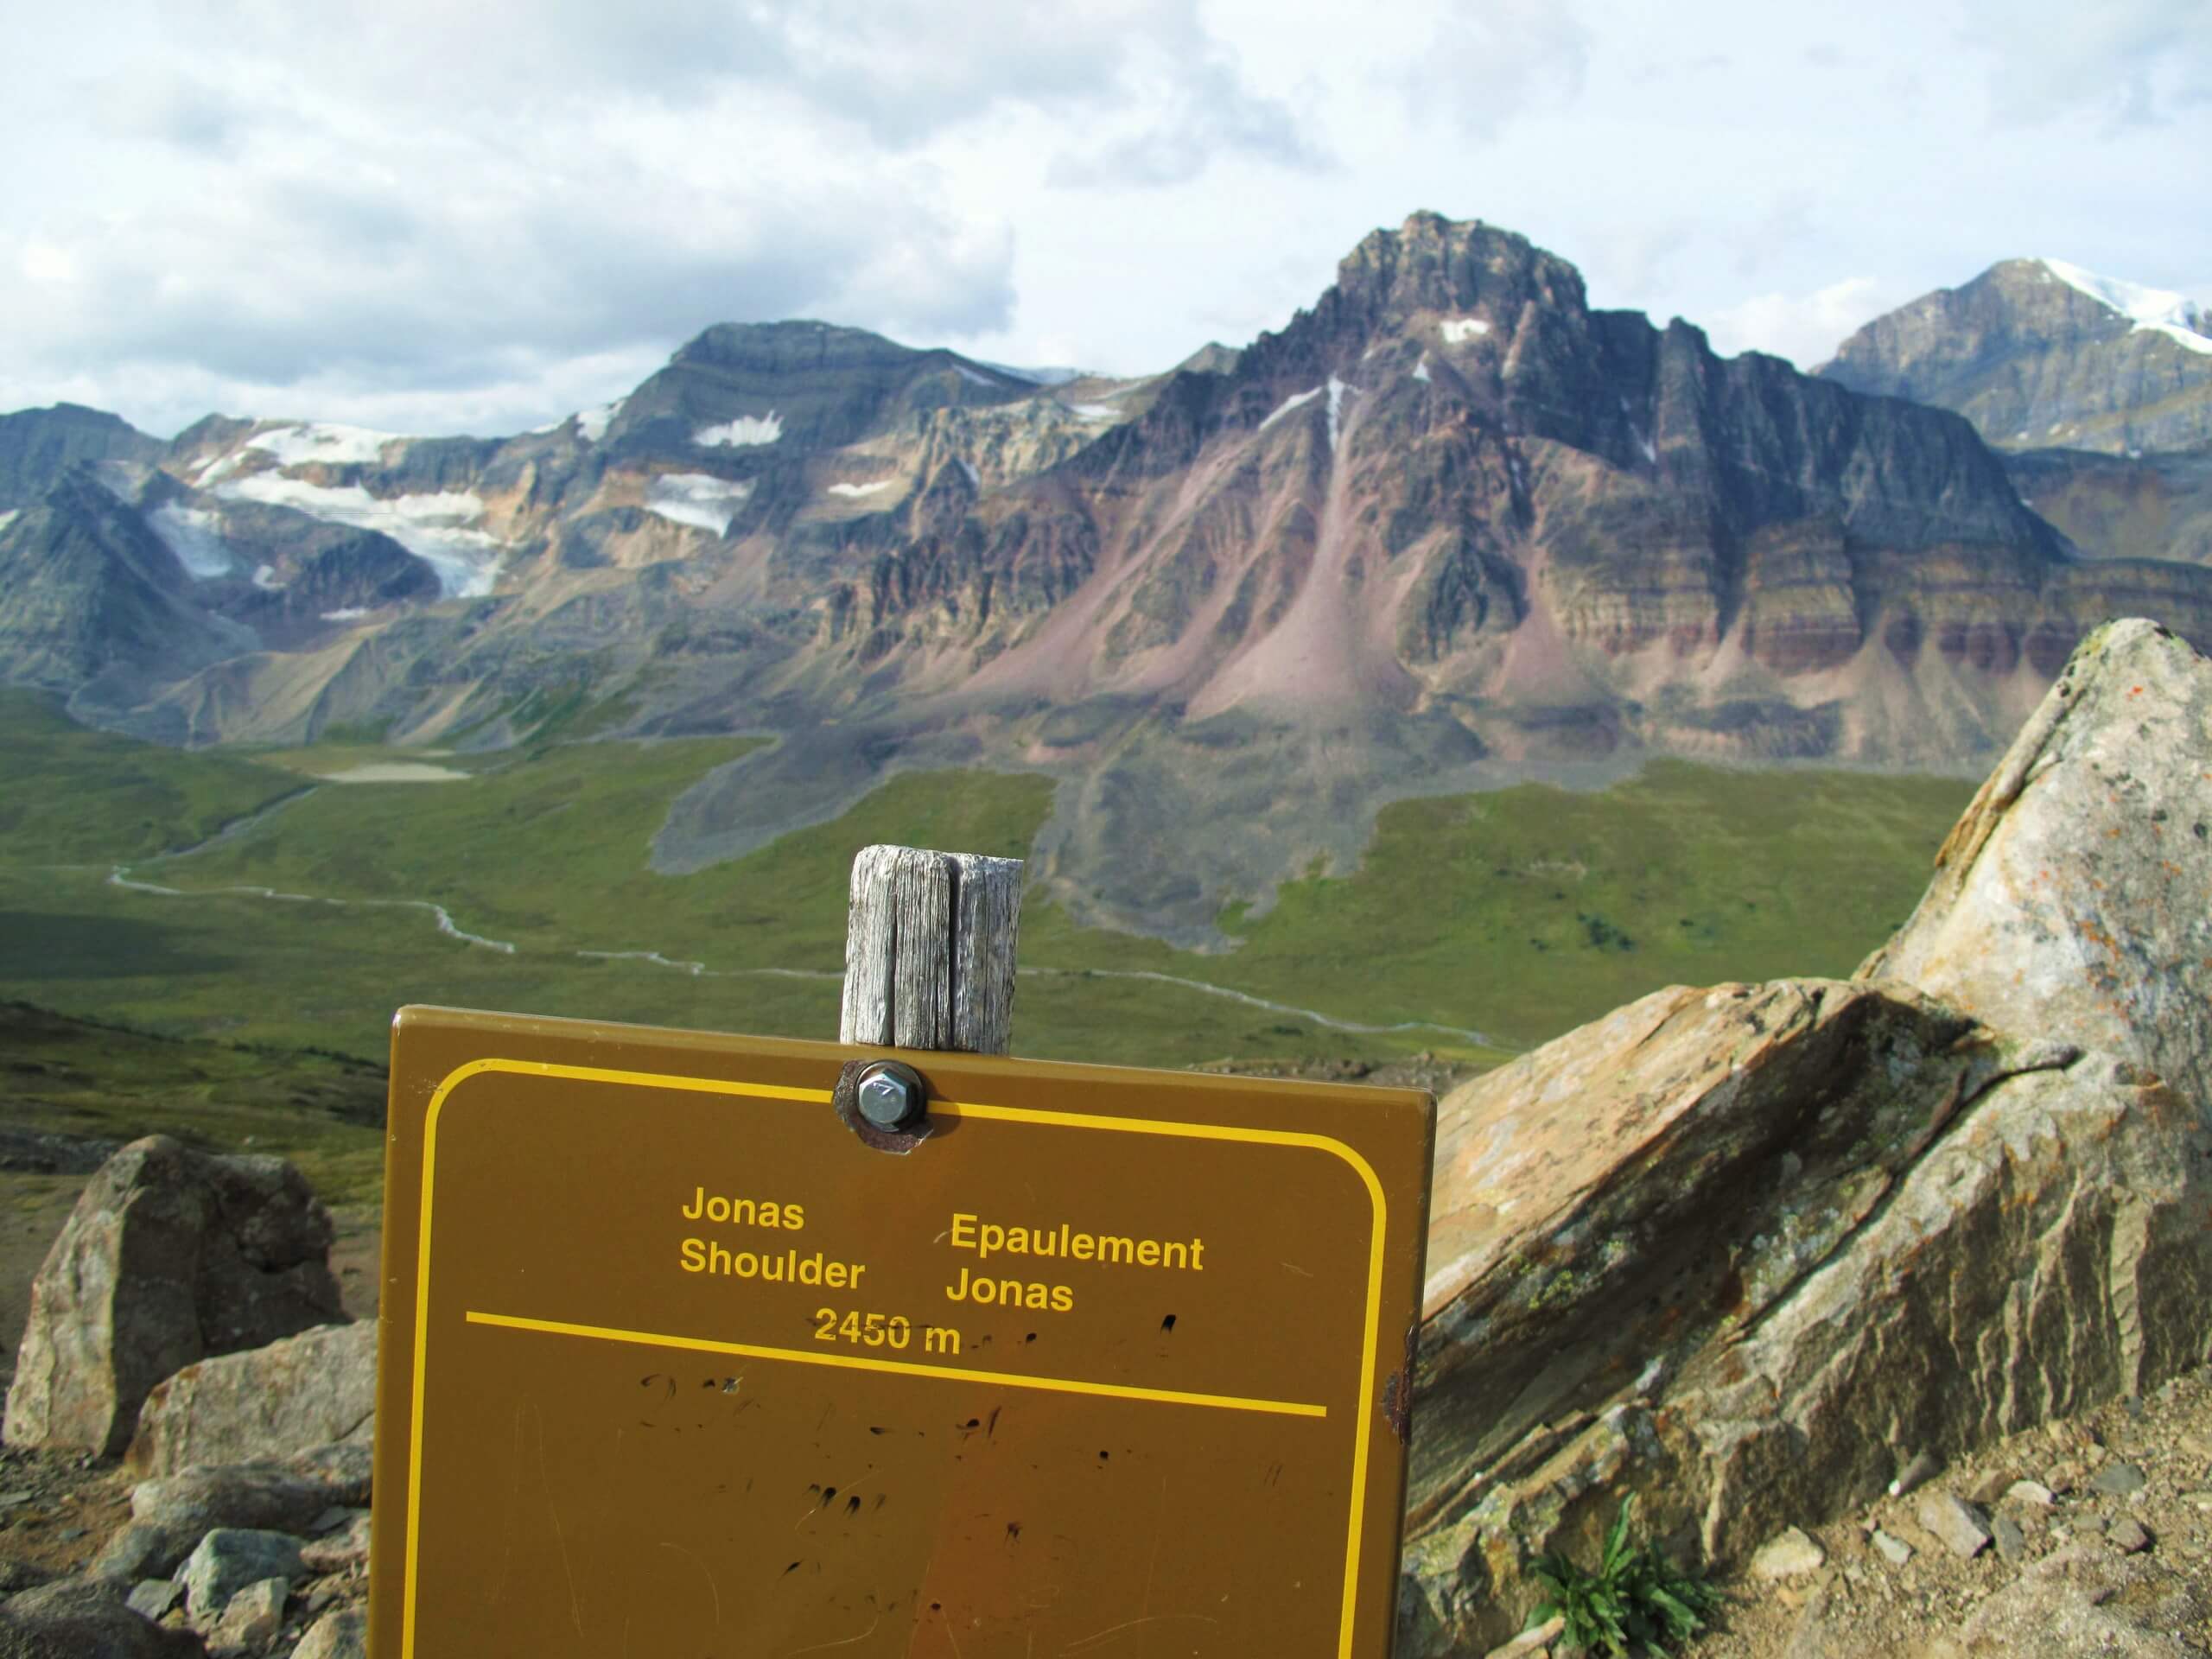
(2179, 318)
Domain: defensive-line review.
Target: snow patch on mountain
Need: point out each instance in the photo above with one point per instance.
(306, 441)
(592, 423)
(434, 528)
(193, 535)
(1420, 369)
(968, 467)
(220, 467)
(862, 489)
(1095, 411)
(745, 430)
(1457, 331)
(345, 613)
(969, 374)
(1337, 390)
(699, 499)
(2159, 310)
(1294, 401)
(264, 577)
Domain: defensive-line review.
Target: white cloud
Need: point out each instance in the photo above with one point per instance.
(2126, 61)
(1804, 327)
(1485, 64)
(441, 219)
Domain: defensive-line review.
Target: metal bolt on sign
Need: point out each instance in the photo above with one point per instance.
(890, 1096)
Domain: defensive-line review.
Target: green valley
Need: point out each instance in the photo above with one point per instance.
(1516, 914)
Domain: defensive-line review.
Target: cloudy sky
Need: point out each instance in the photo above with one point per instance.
(435, 215)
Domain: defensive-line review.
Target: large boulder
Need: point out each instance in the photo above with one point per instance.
(169, 1255)
(307, 1391)
(2074, 895)
(1746, 1251)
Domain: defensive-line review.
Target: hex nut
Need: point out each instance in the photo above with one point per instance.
(889, 1096)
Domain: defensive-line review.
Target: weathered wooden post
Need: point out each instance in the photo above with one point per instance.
(929, 950)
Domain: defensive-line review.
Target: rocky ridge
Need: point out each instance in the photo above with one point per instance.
(2039, 354)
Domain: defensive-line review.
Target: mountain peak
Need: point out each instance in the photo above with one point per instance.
(2161, 310)
(1434, 264)
(2042, 353)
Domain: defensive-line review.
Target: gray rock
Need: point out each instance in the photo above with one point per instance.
(1896, 1551)
(229, 1558)
(169, 1255)
(85, 1619)
(346, 1547)
(306, 1390)
(1961, 1528)
(1791, 1553)
(2128, 1536)
(151, 1598)
(17, 1576)
(2117, 1480)
(251, 1620)
(171, 1515)
(2011, 1542)
(1875, 1180)
(2031, 1492)
(342, 1633)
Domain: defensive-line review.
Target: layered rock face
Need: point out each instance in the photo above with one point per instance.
(1747, 1251)
(1450, 526)
(2038, 354)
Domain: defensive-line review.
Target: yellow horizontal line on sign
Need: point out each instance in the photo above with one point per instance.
(898, 1367)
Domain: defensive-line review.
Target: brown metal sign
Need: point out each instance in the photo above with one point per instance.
(1110, 1364)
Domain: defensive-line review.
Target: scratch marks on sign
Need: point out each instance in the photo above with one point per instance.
(1090, 1642)
(694, 1557)
(841, 1642)
(553, 1513)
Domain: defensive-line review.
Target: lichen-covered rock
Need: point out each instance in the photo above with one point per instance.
(2074, 896)
(228, 1559)
(1744, 1251)
(310, 1389)
(169, 1255)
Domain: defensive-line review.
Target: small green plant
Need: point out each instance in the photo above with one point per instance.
(1634, 1596)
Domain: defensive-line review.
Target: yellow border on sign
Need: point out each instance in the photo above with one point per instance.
(1363, 1434)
